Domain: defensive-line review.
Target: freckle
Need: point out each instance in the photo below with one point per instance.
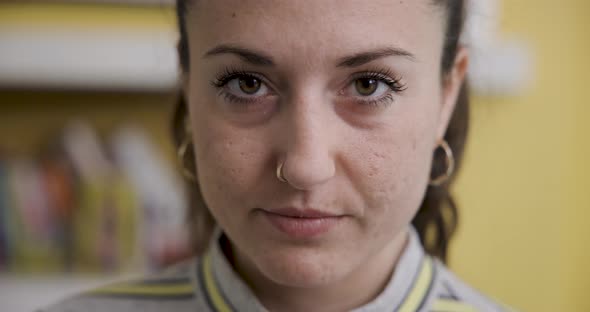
(233, 15)
(372, 170)
(379, 155)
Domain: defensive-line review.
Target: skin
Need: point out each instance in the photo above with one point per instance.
(369, 164)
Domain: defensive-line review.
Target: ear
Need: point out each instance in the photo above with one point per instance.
(451, 86)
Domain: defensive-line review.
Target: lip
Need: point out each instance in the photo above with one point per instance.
(302, 213)
(302, 223)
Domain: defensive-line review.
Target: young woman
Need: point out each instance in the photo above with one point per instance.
(320, 138)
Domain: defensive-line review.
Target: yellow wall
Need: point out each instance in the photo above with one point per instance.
(87, 16)
(524, 190)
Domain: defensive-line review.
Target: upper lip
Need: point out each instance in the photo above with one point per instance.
(302, 213)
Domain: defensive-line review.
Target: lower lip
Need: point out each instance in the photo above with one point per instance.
(302, 228)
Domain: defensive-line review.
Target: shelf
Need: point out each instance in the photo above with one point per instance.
(88, 47)
(27, 293)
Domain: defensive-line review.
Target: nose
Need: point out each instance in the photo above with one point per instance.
(308, 144)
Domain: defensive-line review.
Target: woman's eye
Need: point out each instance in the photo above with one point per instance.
(373, 88)
(366, 86)
(369, 87)
(248, 91)
(249, 85)
(246, 86)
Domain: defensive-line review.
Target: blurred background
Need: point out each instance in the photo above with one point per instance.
(90, 189)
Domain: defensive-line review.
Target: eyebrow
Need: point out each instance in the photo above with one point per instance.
(252, 57)
(261, 59)
(369, 56)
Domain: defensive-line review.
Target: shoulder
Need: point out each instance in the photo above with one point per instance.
(454, 295)
(172, 290)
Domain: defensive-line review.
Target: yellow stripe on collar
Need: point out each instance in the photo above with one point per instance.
(447, 305)
(172, 290)
(421, 286)
(217, 299)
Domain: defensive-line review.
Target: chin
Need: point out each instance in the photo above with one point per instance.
(301, 267)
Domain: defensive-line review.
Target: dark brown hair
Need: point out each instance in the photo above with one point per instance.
(437, 217)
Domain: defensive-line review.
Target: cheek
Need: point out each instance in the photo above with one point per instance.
(392, 167)
(229, 163)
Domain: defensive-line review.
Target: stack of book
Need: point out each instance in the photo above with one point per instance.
(85, 205)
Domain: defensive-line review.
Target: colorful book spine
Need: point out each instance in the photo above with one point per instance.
(84, 206)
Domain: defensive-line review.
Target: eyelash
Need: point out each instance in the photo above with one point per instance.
(394, 82)
(386, 76)
(228, 75)
(382, 75)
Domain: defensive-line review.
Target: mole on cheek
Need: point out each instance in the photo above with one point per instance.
(233, 15)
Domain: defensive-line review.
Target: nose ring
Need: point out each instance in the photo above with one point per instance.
(279, 172)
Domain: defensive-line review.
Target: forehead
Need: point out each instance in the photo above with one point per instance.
(304, 28)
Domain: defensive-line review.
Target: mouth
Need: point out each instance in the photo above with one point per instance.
(302, 223)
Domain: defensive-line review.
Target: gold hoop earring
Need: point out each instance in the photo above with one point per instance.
(449, 163)
(279, 173)
(182, 149)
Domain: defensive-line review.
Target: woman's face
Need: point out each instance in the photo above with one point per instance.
(347, 94)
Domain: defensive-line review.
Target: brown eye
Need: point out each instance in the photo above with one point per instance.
(366, 86)
(249, 85)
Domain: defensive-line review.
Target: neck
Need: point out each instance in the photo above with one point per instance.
(357, 288)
